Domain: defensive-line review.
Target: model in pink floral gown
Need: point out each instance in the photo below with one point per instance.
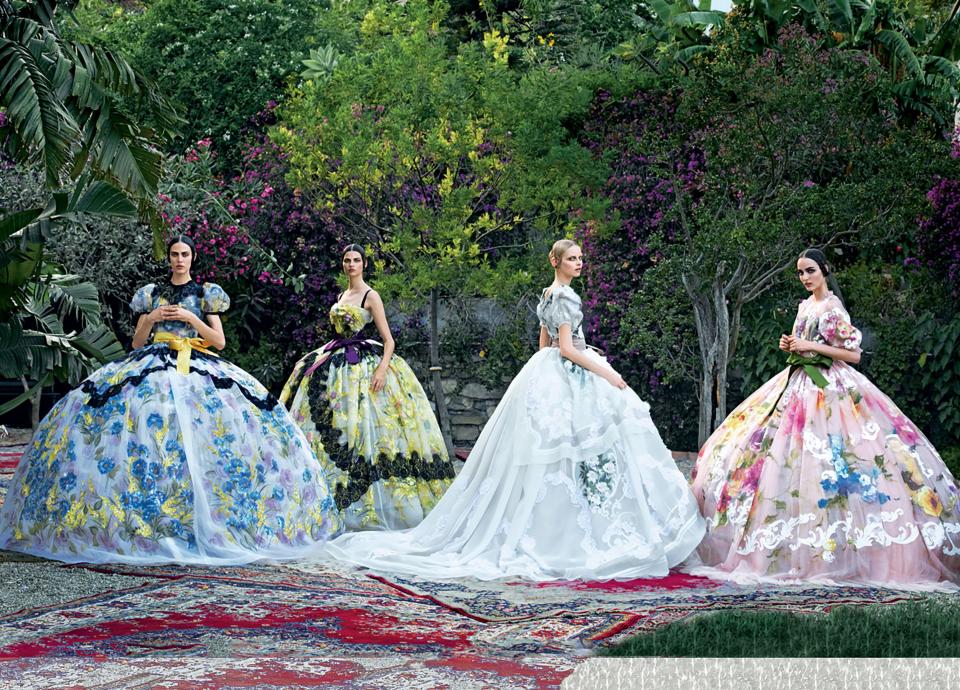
(819, 476)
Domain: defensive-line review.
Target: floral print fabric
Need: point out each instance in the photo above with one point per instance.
(568, 480)
(834, 484)
(382, 452)
(141, 464)
(561, 306)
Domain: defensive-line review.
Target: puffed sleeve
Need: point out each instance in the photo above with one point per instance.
(215, 300)
(142, 302)
(567, 309)
(837, 331)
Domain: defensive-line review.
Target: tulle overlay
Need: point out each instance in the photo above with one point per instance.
(569, 479)
(382, 452)
(142, 464)
(832, 484)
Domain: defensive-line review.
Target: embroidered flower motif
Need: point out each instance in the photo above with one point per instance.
(598, 479)
(928, 500)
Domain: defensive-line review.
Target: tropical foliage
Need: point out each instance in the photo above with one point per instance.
(63, 114)
(692, 152)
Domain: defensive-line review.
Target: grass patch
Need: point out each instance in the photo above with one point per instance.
(928, 627)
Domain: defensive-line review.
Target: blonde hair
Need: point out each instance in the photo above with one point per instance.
(560, 248)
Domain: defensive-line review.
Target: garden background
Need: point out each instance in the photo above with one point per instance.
(692, 152)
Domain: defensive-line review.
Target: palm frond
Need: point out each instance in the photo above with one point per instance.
(46, 130)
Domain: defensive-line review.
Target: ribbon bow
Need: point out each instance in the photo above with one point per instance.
(352, 346)
(812, 366)
(184, 347)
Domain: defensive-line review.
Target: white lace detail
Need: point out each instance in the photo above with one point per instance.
(825, 538)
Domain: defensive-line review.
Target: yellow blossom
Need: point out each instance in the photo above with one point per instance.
(497, 43)
(928, 500)
(75, 515)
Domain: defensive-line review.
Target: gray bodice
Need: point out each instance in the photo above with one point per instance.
(561, 306)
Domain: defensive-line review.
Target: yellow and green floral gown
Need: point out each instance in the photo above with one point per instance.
(383, 454)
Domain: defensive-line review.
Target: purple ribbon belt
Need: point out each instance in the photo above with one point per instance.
(351, 346)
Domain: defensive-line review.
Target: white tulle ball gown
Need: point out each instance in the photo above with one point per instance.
(568, 480)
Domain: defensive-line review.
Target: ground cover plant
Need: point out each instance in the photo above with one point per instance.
(928, 627)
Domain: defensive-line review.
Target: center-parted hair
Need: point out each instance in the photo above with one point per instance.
(187, 240)
(560, 248)
(354, 248)
(816, 255)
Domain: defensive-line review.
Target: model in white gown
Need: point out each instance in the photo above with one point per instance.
(568, 480)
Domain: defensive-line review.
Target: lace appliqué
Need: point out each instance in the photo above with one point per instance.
(598, 480)
(825, 539)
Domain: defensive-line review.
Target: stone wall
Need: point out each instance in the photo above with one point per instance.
(470, 406)
(469, 403)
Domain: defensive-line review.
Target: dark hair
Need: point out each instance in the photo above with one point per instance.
(187, 240)
(817, 256)
(354, 248)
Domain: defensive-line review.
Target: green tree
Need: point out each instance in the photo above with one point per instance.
(813, 161)
(221, 61)
(410, 143)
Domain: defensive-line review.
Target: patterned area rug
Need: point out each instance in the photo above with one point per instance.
(326, 624)
(609, 612)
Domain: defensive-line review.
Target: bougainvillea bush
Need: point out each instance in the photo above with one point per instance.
(721, 170)
(275, 253)
(620, 253)
(938, 239)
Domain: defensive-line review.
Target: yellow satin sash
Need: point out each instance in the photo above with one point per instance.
(184, 347)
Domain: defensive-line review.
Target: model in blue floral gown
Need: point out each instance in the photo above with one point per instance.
(170, 454)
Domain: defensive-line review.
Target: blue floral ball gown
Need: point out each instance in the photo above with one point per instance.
(383, 452)
(169, 455)
(568, 480)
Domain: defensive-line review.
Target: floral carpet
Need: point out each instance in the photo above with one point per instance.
(324, 624)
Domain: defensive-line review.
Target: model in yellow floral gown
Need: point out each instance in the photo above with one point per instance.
(367, 418)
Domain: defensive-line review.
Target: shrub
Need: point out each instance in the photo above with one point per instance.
(222, 60)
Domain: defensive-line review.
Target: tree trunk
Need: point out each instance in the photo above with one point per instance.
(435, 373)
(722, 319)
(34, 403)
(705, 322)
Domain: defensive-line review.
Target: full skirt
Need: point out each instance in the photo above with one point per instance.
(144, 465)
(568, 480)
(833, 484)
(382, 452)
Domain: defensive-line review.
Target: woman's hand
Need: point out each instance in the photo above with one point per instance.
(173, 312)
(799, 345)
(786, 342)
(378, 380)
(158, 314)
(615, 380)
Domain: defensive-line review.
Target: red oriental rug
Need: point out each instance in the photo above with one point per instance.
(326, 625)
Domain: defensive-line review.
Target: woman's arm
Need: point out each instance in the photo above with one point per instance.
(145, 325)
(375, 305)
(799, 345)
(580, 358)
(544, 338)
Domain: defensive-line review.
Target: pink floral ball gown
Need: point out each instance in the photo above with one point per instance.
(831, 483)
